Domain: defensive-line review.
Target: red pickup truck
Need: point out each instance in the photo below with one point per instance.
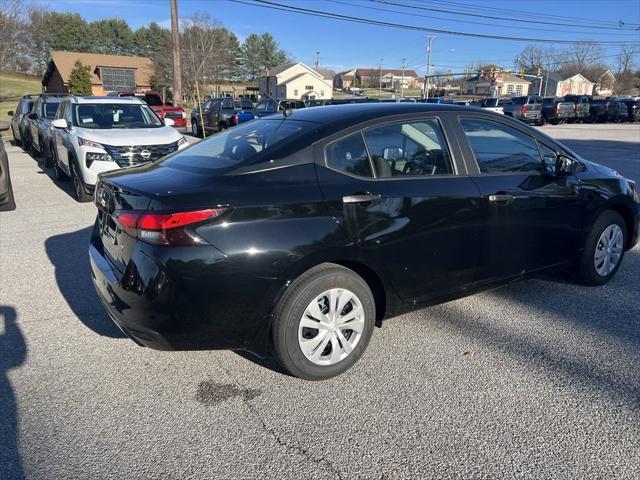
(164, 110)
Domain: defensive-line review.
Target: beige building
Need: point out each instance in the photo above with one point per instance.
(109, 73)
(295, 81)
(559, 85)
(604, 83)
(502, 84)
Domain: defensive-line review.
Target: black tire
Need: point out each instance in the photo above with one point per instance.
(585, 270)
(554, 122)
(48, 156)
(195, 131)
(540, 122)
(291, 307)
(222, 126)
(59, 173)
(16, 142)
(79, 189)
(593, 117)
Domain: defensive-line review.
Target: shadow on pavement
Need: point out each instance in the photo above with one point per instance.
(13, 353)
(607, 317)
(69, 254)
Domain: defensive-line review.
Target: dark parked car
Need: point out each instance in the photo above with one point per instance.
(581, 104)
(633, 109)
(598, 111)
(295, 235)
(269, 106)
(617, 111)
(40, 139)
(527, 108)
(221, 113)
(25, 105)
(556, 110)
(7, 201)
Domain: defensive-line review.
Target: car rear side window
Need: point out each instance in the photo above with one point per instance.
(349, 155)
(245, 144)
(501, 149)
(408, 149)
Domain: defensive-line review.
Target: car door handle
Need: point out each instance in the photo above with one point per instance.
(368, 197)
(501, 198)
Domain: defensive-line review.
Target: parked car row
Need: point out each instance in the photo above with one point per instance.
(83, 136)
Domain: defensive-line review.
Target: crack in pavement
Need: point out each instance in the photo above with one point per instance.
(321, 461)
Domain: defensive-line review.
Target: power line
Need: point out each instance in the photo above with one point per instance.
(490, 17)
(349, 18)
(593, 21)
(485, 24)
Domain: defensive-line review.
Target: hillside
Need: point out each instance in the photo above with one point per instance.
(12, 87)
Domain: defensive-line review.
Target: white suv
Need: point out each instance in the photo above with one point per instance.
(98, 134)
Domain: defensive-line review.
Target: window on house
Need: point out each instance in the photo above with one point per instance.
(518, 89)
(322, 93)
(118, 79)
(308, 87)
(295, 92)
(509, 89)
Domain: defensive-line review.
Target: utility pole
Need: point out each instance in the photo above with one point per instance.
(317, 60)
(380, 77)
(175, 51)
(404, 65)
(425, 94)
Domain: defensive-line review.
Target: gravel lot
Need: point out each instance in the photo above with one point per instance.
(539, 379)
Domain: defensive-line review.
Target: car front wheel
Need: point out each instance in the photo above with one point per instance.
(78, 185)
(323, 323)
(604, 250)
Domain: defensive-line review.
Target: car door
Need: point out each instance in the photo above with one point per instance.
(63, 135)
(401, 191)
(34, 122)
(533, 220)
(211, 115)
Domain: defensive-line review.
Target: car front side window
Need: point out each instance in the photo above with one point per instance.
(499, 148)
(408, 149)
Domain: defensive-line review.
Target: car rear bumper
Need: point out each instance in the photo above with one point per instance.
(193, 300)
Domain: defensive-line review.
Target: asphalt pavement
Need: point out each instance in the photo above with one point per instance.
(539, 379)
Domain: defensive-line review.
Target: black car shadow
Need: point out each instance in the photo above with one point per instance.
(13, 353)
(69, 254)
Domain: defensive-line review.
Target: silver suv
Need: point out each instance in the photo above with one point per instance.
(527, 108)
(97, 134)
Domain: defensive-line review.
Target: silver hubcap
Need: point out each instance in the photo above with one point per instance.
(608, 250)
(331, 326)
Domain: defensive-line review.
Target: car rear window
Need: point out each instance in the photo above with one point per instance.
(246, 144)
(49, 109)
(153, 100)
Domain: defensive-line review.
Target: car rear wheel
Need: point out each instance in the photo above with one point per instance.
(16, 142)
(78, 185)
(604, 250)
(323, 323)
(195, 131)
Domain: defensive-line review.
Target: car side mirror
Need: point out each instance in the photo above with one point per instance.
(11, 113)
(392, 153)
(33, 116)
(168, 104)
(565, 165)
(59, 123)
(168, 122)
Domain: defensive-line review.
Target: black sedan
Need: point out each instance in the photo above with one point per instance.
(295, 234)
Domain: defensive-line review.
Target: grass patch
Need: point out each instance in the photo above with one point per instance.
(12, 87)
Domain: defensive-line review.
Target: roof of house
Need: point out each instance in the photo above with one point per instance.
(326, 74)
(273, 71)
(65, 62)
(368, 72)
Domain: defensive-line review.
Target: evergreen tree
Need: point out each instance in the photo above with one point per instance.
(113, 36)
(80, 80)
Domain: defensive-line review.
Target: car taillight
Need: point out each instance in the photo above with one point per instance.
(523, 109)
(558, 108)
(164, 228)
(575, 107)
(235, 118)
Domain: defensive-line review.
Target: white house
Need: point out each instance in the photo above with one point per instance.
(295, 81)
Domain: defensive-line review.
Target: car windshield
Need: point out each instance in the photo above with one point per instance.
(114, 115)
(153, 100)
(245, 144)
(49, 109)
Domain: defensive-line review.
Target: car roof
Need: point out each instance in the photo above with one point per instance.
(112, 99)
(359, 112)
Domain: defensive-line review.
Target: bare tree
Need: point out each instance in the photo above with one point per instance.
(583, 55)
(208, 52)
(530, 58)
(12, 23)
(626, 59)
